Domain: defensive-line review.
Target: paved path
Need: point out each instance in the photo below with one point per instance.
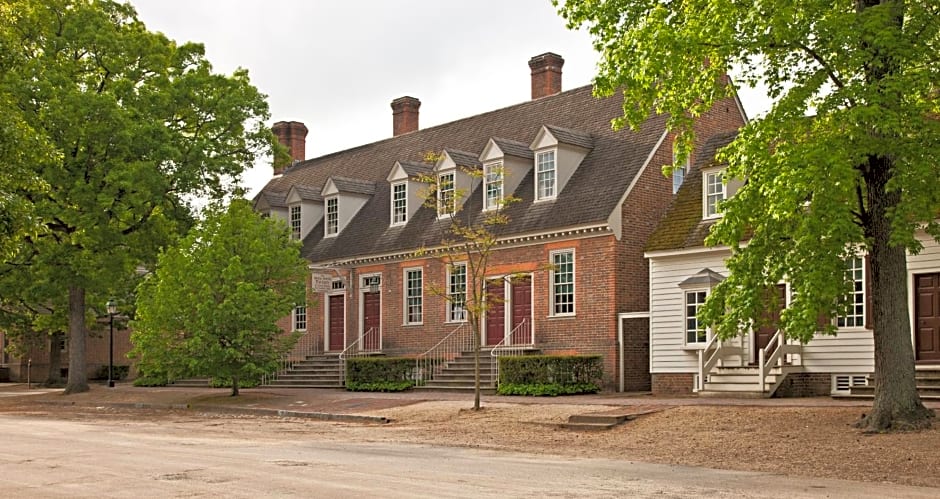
(51, 458)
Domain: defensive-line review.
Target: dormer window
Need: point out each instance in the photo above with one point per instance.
(399, 203)
(295, 222)
(446, 199)
(678, 172)
(545, 175)
(714, 193)
(332, 216)
(493, 180)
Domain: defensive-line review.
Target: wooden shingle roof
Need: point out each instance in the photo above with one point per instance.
(589, 197)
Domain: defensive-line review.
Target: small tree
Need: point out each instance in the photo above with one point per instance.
(212, 306)
(469, 239)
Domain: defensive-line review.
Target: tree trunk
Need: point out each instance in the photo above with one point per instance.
(78, 379)
(54, 377)
(476, 367)
(897, 406)
(234, 386)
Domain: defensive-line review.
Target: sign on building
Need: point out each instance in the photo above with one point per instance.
(322, 282)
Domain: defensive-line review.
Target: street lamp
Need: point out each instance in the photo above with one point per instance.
(112, 309)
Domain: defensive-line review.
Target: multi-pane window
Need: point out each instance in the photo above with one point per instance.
(399, 203)
(855, 273)
(300, 318)
(295, 222)
(714, 193)
(694, 332)
(457, 293)
(413, 297)
(446, 202)
(563, 283)
(332, 216)
(493, 177)
(545, 175)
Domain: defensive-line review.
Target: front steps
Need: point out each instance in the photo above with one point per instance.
(322, 371)
(927, 379)
(458, 374)
(741, 382)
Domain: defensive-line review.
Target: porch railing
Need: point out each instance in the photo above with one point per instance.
(778, 349)
(509, 347)
(430, 363)
(713, 354)
(308, 345)
(367, 344)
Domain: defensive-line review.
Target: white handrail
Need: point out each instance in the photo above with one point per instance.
(308, 345)
(765, 363)
(359, 352)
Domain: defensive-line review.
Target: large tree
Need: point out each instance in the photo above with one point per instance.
(845, 162)
(138, 124)
(212, 306)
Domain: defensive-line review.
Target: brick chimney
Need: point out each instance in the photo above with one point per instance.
(293, 135)
(546, 74)
(404, 115)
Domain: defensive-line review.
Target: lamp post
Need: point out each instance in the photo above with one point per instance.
(112, 309)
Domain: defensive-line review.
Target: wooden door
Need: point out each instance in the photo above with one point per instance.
(337, 322)
(495, 312)
(521, 304)
(927, 317)
(771, 317)
(371, 320)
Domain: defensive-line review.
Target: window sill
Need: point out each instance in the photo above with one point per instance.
(693, 347)
(562, 316)
(406, 324)
(456, 322)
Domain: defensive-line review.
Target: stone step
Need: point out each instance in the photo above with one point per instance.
(736, 387)
(739, 378)
(469, 390)
(729, 394)
(191, 383)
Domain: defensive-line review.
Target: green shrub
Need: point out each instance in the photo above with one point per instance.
(550, 375)
(150, 381)
(227, 383)
(119, 372)
(379, 374)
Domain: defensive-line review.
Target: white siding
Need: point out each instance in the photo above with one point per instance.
(850, 351)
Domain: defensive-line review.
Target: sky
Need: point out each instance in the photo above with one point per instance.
(337, 66)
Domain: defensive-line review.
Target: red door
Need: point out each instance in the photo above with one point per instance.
(495, 312)
(337, 322)
(771, 318)
(371, 321)
(927, 317)
(521, 305)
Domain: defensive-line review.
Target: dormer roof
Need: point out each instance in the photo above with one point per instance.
(270, 200)
(304, 193)
(452, 158)
(550, 134)
(336, 185)
(508, 148)
(408, 170)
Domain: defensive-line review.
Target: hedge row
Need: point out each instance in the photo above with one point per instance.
(550, 374)
(379, 374)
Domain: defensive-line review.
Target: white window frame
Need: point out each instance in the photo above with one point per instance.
(492, 181)
(408, 305)
(686, 318)
(295, 219)
(539, 172)
(446, 194)
(714, 191)
(857, 298)
(399, 206)
(454, 312)
(299, 318)
(331, 219)
(554, 302)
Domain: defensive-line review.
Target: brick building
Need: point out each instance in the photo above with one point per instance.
(569, 268)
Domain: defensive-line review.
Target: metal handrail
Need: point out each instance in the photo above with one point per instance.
(348, 352)
(507, 347)
(308, 345)
(431, 362)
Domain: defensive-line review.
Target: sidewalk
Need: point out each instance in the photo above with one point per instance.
(335, 404)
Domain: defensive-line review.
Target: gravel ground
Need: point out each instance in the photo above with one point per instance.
(797, 441)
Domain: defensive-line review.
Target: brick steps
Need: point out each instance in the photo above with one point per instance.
(927, 379)
(322, 371)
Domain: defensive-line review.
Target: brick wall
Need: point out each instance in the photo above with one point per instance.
(636, 355)
(672, 384)
(96, 355)
(805, 385)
